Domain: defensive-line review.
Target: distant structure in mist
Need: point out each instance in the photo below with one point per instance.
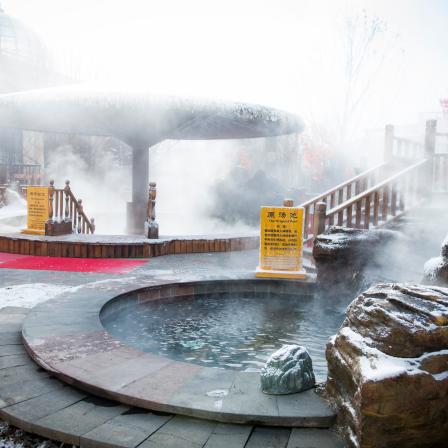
(25, 63)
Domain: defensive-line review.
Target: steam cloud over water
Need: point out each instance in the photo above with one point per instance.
(347, 67)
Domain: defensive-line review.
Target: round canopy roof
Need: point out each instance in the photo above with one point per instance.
(139, 118)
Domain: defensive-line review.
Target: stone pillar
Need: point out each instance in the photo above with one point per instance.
(136, 210)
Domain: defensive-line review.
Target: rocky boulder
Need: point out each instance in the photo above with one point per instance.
(287, 371)
(388, 368)
(343, 243)
(436, 269)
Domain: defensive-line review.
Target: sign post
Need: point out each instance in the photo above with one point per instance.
(281, 242)
(37, 210)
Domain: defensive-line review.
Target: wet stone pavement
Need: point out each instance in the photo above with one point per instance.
(174, 431)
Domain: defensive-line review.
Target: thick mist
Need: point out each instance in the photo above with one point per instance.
(347, 67)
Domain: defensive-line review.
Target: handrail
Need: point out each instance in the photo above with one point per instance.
(440, 173)
(342, 185)
(379, 202)
(338, 195)
(64, 207)
(408, 140)
(377, 187)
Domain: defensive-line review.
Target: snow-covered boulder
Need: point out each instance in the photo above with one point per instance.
(343, 243)
(388, 368)
(436, 269)
(287, 371)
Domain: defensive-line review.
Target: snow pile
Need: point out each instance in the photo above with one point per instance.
(30, 294)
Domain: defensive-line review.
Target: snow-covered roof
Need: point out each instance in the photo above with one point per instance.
(140, 117)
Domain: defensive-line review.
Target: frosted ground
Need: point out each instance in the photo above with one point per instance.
(29, 294)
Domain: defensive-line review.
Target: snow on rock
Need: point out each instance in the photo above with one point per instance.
(436, 269)
(444, 251)
(30, 294)
(388, 367)
(348, 243)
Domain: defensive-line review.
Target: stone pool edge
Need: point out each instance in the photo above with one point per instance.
(65, 336)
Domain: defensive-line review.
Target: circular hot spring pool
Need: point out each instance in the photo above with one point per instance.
(227, 324)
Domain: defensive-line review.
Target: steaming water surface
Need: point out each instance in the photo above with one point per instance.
(236, 332)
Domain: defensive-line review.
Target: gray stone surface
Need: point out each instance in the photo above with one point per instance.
(25, 413)
(229, 436)
(66, 336)
(181, 432)
(126, 430)
(314, 438)
(21, 391)
(269, 437)
(14, 360)
(287, 371)
(48, 408)
(70, 423)
(7, 350)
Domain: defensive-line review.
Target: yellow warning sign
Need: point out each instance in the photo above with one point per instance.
(281, 242)
(37, 210)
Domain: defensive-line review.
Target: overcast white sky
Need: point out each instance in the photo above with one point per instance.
(285, 53)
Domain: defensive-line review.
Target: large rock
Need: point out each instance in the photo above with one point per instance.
(436, 269)
(444, 251)
(343, 243)
(388, 368)
(287, 371)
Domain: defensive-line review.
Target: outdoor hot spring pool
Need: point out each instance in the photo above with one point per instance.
(230, 330)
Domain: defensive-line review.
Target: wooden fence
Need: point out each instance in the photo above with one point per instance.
(410, 173)
(65, 208)
(379, 205)
(338, 195)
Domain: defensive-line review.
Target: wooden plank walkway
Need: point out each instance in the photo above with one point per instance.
(35, 402)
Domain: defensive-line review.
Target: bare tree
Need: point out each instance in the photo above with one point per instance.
(368, 43)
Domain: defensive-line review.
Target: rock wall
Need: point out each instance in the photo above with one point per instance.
(388, 368)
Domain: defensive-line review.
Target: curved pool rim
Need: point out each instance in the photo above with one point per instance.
(65, 336)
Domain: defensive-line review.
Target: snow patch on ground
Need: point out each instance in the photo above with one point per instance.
(30, 294)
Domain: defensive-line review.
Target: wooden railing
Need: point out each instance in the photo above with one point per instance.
(340, 194)
(64, 207)
(381, 204)
(382, 194)
(440, 173)
(151, 226)
(401, 148)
